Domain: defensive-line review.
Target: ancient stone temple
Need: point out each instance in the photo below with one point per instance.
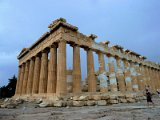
(43, 72)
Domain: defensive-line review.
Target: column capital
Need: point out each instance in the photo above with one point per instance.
(53, 45)
(74, 44)
(118, 58)
(110, 55)
(87, 48)
(45, 50)
(38, 54)
(61, 40)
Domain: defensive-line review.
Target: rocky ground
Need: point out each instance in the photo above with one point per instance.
(122, 111)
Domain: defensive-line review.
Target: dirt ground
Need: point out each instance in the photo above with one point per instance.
(125, 111)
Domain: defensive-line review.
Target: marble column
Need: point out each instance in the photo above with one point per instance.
(127, 75)
(112, 75)
(76, 69)
(133, 72)
(61, 88)
(102, 73)
(158, 74)
(150, 76)
(43, 73)
(21, 79)
(24, 89)
(147, 76)
(52, 70)
(92, 83)
(120, 75)
(36, 76)
(141, 77)
(18, 80)
(30, 76)
(155, 78)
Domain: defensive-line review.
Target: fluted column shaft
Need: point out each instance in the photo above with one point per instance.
(141, 78)
(21, 79)
(102, 76)
(26, 71)
(112, 75)
(61, 69)
(158, 72)
(36, 76)
(52, 69)
(101, 62)
(134, 77)
(158, 78)
(147, 76)
(30, 76)
(43, 73)
(92, 84)
(120, 75)
(155, 79)
(18, 80)
(76, 70)
(127, 75)
(150, 77)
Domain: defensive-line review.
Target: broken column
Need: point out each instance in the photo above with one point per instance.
(112, 75)
(134, 76)
(120, 75)
(102, 74)
(127, 75)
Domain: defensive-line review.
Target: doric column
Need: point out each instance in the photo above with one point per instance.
(158, 74)
(150, 76)
(141, 77)
(30, 76)
(43, 73)
(155, 78)
(61, 88)
(102, 74)
(52, 69)
(127, 75)
(92, 84)
(21, 79)
(147, 76)
(112, 75)
(18, 80)
(36, 76)
(76, 70)
(134, 76)
(158, 78)
(24, 89)
(120, 75)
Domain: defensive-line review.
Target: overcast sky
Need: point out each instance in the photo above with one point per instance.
(133, 24)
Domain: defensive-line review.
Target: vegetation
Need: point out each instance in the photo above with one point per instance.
(9, 90)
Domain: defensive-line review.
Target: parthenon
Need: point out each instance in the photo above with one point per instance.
(43, 72)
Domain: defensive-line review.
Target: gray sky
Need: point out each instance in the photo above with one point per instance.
(133, 24)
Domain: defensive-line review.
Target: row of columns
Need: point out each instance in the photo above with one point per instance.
(40, 76)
